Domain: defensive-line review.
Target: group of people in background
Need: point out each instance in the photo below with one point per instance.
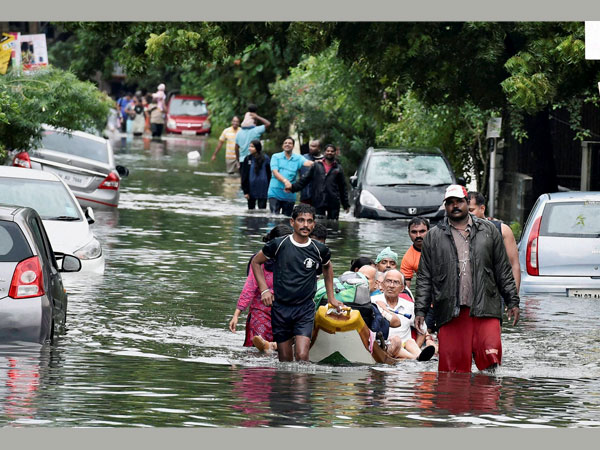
(140, 114)
(274, 180)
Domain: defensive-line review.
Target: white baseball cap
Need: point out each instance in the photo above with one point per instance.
(456, 190)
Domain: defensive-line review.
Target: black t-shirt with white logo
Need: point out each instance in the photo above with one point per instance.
(295, 270)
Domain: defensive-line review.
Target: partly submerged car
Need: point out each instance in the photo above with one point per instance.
(84, 161)
(401, 183)
(187, 114)
(559, 250)
(33, 301)
(67, 225)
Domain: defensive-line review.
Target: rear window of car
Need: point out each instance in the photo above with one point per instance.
(571, 219)
(13, 245)
(50, 199)
(187, 107)
(75, 145)
(391, 170)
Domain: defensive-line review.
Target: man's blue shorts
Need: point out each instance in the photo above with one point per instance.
(289, 320)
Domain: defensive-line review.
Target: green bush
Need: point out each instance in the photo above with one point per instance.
(50, 96)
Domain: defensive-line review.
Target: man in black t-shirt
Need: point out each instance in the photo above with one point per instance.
(296, 259)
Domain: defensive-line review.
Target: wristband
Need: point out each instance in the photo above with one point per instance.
(387, 315)
(266, 290)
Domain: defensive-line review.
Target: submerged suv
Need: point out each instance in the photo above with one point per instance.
(401, 183)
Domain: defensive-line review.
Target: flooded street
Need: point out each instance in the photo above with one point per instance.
(147, 343)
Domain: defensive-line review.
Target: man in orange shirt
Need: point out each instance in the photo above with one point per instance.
(417, 229)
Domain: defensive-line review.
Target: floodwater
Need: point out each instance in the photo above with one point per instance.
(147, 343)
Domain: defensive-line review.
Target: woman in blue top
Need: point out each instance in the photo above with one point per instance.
(256, 174)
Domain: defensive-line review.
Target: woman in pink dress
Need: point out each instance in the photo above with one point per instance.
(258, 322)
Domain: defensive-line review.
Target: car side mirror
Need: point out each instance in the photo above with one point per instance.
(461, 181)
(353, 181)
(122, 171)
(89, 215)
(70, 263)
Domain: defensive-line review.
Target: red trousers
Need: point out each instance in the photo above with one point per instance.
(464, 338)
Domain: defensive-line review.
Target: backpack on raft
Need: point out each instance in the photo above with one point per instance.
(348, 288)
(352, 289)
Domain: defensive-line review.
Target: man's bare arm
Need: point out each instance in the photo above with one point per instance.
(265, 293)
(328, 276)
(265, 122)
(219, 145)
(513, 254)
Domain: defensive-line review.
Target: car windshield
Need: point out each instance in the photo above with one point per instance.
(571, 219)
(389, 169)
(49, 198)
(13, 246)
(187, 107)
(75, 145)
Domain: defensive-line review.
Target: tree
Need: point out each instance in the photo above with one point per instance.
(50, 96)
(524, 69)
(230, 63)
(324, 98)
(459, 131)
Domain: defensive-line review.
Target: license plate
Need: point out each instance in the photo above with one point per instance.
(71, 179)
(584, 293)
(188, 132)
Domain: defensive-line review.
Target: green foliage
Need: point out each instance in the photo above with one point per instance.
(51, 96)
(550, 71)
(239, 80)
(459, 72)
(230, 63)
(324, 98)
(517, 229)
(459, 131)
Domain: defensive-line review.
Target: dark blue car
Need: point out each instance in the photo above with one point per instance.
(401, 183)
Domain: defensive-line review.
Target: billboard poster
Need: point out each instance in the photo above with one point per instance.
(34, 53)
(5, 51)
(16, 49)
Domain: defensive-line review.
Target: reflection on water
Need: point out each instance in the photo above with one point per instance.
(147, 342)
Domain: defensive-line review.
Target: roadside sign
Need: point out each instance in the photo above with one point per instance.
(592, 40)
(494, 126)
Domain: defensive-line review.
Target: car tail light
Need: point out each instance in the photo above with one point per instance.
(110, 182)
(27, 281)
(22, 160)
(532, 248)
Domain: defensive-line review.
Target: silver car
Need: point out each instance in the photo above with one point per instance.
(84, 161)
(33, 301)
(559, 250)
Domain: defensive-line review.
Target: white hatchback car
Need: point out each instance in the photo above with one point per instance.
(68, 227)
(559, 249)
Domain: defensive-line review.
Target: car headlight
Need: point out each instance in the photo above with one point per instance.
(367, 199)
(171, 123)
(91, 250)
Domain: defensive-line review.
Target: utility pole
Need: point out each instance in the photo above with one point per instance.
(492, 180)
(493, 133)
